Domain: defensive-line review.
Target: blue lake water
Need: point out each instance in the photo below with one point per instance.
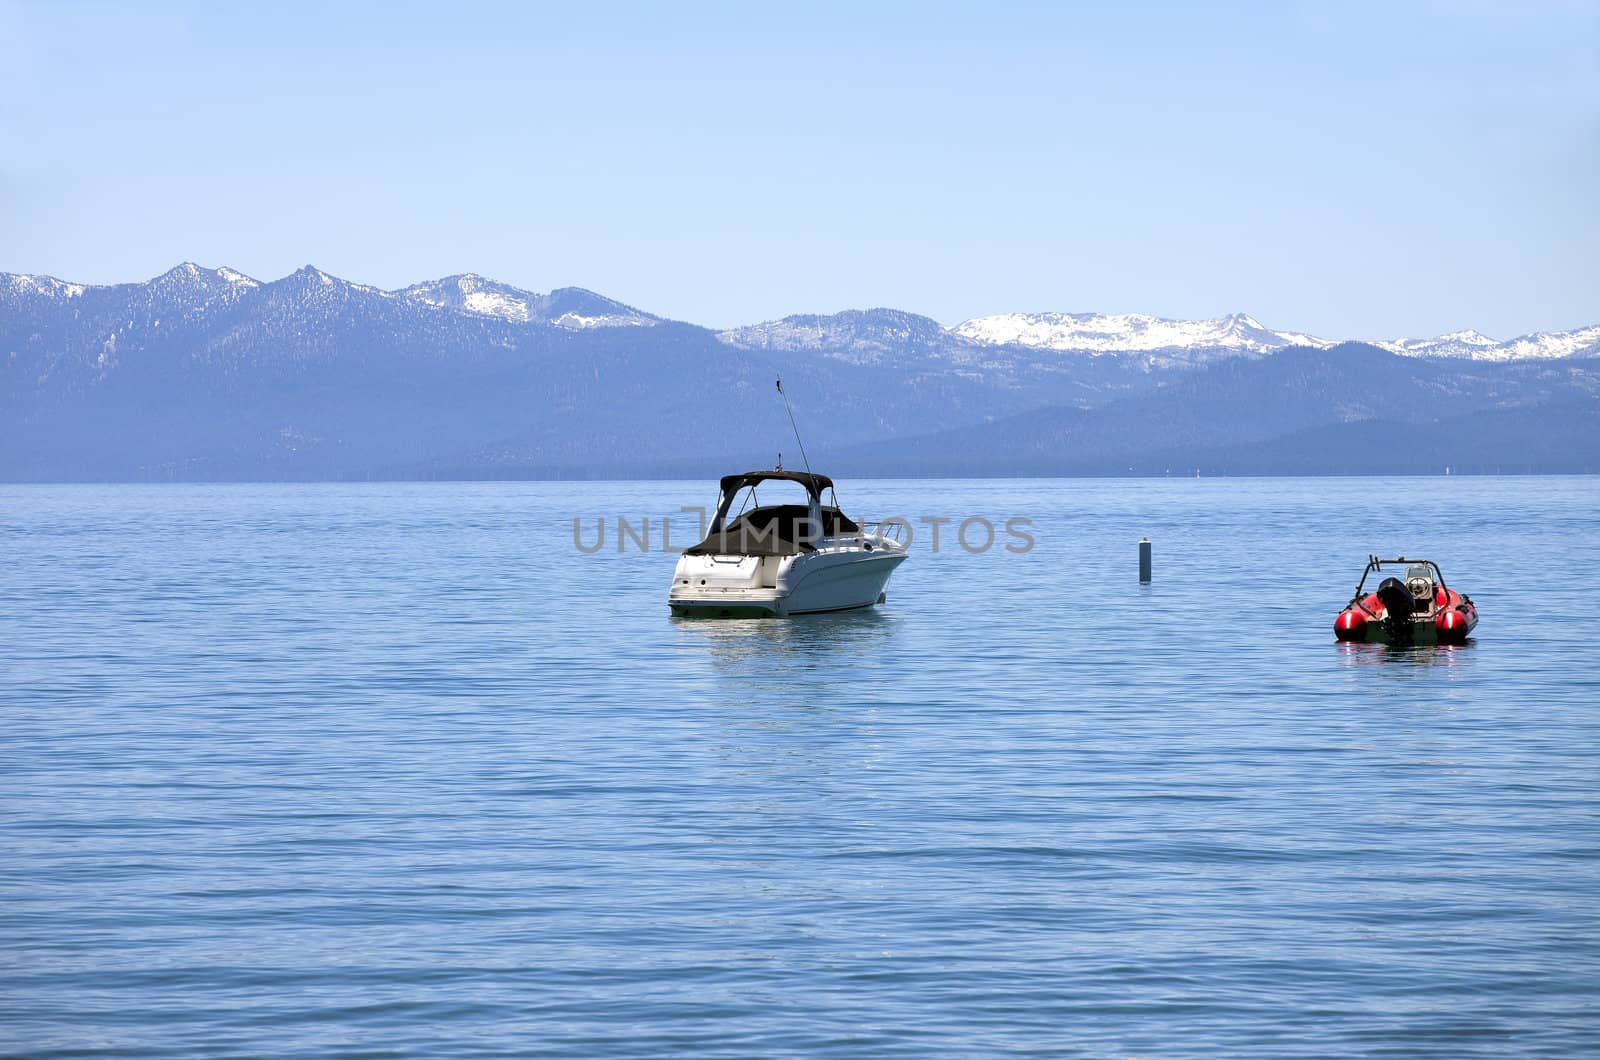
(396, 770)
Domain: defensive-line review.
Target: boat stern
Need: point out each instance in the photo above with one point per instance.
(726, 587)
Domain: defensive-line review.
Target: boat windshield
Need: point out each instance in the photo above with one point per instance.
(770, 494)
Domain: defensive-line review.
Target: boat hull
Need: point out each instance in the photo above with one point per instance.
(1450, 620)
(1422, 633)
(752, 587)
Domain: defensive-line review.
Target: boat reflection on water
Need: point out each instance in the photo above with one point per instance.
(792, 702)
(742, 643)
(1354, 654)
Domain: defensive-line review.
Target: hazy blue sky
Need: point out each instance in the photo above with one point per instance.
(1346, 169)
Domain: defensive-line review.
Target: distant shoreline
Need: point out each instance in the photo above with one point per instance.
(709, 476)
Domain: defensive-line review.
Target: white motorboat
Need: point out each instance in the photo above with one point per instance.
(783, 559)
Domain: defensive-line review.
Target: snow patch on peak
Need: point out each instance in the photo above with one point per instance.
(579, 322)
(311, 276)
(1548, 345)
(1103, 333)
(495, 304)
(577, 308)
(472, 293)
(1465, 343)
(857, 336)
(1470, 337)
(1476, 346)
(46, 286)
(237, 278)
(1199, 341)
(568, 307)
(186, 275)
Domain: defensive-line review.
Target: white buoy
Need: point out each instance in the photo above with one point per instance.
(1144, 559)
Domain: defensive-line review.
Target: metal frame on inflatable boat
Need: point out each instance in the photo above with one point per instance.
(1376, 564)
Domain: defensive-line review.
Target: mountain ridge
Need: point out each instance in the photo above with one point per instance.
(210, 374)
(866, 335)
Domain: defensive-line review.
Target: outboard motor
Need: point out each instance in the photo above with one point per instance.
(1396, 601)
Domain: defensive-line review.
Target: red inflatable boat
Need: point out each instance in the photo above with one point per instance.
(1420, 609)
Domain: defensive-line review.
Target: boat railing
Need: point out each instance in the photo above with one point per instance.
(888, 529)
(894, 530)
(1375, 563)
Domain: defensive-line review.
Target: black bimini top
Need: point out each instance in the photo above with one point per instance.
(778, 530)
(814, 484)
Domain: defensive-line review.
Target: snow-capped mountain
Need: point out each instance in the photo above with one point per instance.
(1539, 346)
(1099, 333)
(184, 287)
(1456, 344)
(867, 337)
(197, 283)
(1039, 340)
(1545, 345)
(565, 307)
(212, 374)
(858, 336)
(188, 287)
(56, 333)
(1196, 341)
(42, 287)
(874, 336)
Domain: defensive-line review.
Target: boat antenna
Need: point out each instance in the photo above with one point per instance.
(794, 425)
